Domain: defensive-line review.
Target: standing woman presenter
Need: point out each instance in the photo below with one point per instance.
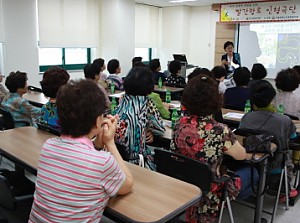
(230, 60)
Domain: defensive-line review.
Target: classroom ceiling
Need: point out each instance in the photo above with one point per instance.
(166, 3)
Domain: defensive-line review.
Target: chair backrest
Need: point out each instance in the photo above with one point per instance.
(7, 120)
(184, 168)
(33, 88)
(292, 116)
(6, 197)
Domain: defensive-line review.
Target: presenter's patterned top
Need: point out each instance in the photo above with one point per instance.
(204, 139)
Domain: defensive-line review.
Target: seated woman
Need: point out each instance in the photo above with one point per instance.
(74, 180)
(19, 108)
(100, 66)
(3, 91)
(175, 80)
(236, 97)
(200, 137)
(219, 74)
(258, 72)
(265, 119)
(53, 79)
(139, 117)
(287, 82)
(91, 71)
(114, 70)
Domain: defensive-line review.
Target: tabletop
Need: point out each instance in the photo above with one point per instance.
(165, 88)
(35, 97)
(155, 197)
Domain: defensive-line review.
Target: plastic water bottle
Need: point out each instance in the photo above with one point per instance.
(247, 106)
(113, 106)
(174, 117)
(168, 96)
(159, 82)
(112, 87)
(280, 109)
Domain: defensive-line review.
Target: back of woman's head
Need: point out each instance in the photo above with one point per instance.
(262, 93)
(287, 80)
(241, 76)
(194, 73)
(79, 104)
(112, 66)
(201, 96)
(53, 78)
(218, 72)
(154, 64)
(15, 80)
(139, 81)
(258, 71)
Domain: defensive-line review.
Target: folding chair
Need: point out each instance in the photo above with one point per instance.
(283, 173)
(191, 171)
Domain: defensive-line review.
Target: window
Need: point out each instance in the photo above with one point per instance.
(146, 53)
(68, 58)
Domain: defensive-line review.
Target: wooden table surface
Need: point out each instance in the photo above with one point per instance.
(36, 97)
(155, 197)
(163, 89)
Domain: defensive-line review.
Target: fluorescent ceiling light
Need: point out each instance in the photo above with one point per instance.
(180, 1)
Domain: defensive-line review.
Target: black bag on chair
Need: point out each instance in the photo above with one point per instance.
(258, 143)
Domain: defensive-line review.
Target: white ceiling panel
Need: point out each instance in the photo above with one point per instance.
(166, 3)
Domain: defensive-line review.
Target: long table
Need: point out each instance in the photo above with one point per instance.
(155, 197)
(36, 98)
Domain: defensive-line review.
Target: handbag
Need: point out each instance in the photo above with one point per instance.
(258, 143)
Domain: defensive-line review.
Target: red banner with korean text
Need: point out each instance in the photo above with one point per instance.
(263, 11)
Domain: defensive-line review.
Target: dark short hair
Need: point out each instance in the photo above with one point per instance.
(218, 72)
(227, 44)
(139, 64)
(99, 62)
(154, 64)
(136, 59)
(53, 78)
(139, 81)
(194, 73)
(297, 69)
(201, 96)
(174, 66)
(205, 71)
(90, 71)
(79, 104)
(287, 80)
(241, 76)
(112, 66)
(262, 93)
(258, 71)
(16, 80)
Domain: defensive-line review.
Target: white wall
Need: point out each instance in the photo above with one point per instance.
(188, 30)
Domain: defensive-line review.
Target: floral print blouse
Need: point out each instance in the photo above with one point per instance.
(204, 139)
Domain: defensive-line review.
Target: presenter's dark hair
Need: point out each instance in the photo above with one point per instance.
(154, 64)
(287, 80)
(53, 79)
(262, 93)
(79, 104)
(174, 66)
(218, 72)
(227, 44)
(258, 71)
(241, 76)
(90, 71)
(139, 81)
(16, 80)
(99, 62)
(201, 96)
(113, 65)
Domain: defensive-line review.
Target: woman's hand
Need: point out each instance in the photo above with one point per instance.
(224, 62)
(149, 137)
(109, 126)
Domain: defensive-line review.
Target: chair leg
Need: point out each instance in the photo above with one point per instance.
(287, 195)
(296, 179)
(229, 209)
(277, 197)
(221, 212)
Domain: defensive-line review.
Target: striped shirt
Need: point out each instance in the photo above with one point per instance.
(74, 181)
